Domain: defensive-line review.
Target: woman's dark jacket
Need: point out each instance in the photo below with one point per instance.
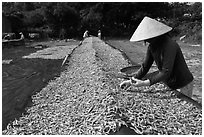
(173, 70)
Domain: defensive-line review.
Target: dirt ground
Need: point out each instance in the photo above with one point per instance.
(22, 77)
(193, 55)
(86, 98)
(26, 70)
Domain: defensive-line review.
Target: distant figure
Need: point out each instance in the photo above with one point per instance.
(62, 33)
(99, 34)
(22, 36)
(86, 34)
(9, 36)
(6, 37)
(34, 35)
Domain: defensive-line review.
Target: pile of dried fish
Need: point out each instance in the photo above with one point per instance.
(86, 100)
(57, 52)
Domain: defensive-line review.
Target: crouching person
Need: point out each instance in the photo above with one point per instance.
(173, 70)
(86, 34)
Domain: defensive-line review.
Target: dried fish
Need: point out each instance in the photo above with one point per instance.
(86, 100)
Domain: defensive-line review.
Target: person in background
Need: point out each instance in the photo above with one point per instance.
(22, 36)
(62, 34)
(86, 34)
(99, 34)
(173, 70)
(7, 37)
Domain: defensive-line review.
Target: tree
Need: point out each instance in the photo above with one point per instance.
(113, 18)
(34, 18)
(61, 15)
(91, 18)
(196, 11)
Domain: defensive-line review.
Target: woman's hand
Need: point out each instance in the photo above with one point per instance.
(125, 84)
(140, 83)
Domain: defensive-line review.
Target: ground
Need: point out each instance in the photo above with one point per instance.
(87, 60)
(23, 76)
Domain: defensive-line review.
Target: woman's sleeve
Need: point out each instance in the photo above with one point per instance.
(169, 54)
(145, 65)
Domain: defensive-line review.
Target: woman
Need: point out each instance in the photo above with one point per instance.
(166, 53)
(86, 34)
(99, 34)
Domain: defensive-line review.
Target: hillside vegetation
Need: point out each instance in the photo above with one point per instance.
(114, 19)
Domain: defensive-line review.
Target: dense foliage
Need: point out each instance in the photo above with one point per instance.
(113, 18)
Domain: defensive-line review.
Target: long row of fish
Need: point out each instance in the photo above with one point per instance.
(86, 100)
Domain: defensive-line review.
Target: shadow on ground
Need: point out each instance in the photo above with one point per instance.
(21, 78)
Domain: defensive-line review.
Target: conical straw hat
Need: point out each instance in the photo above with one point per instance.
(149, 28)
